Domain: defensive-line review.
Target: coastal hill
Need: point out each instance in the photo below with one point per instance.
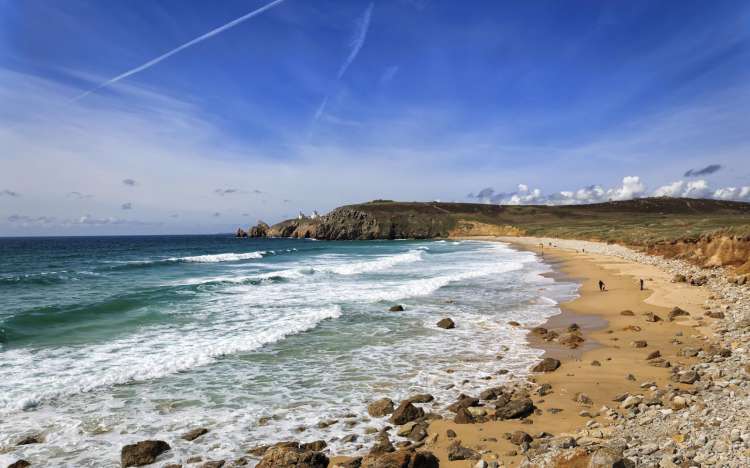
(711, 232)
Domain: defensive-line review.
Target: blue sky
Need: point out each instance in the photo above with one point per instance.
(313, 104)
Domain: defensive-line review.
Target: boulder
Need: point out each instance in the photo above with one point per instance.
(677, 312)
(608, 457)
(259, 230)
(142, 453)
(396, 308)
(515, 409)
(653, 355)
(31, 439)
(446, 323)
(679, 278)
(194, 433)
(458, 452)
(639, 344)
(520, 437)
(546, 365)
(652, 317)
(380, 408)
(492, 393)
(382, 445)
(19, 464)
(291, 455)
(421, 398)
(315, 446)
(405, 413)
(627, 313)
(240, 233)
(463, 416)
(689, 377)
(571, 340)
(402, 459)
(464, 401)
(715, 314)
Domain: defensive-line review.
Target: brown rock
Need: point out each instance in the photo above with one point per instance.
(513, 323)
(679, 279)
(31, 439)
(380, 408)
(194, 433)
(291, 455)
(450, 433)
(652, 317)
(446, 323)
(464, 401)
(515, 409)
(463, 417)
(520, 437)
(639, 344)
(214, 464)
(627, 313)
(583, 399)
(406, 412)
(546, 365)
(715, 314)
(541, 331)
(677, 312)
(689, 377)
(401, 459)
(382, 445)
(315, 446)
(570, 340)
(421, 398)
(142, 453)
(19, 464)
(457, 452)
(596, 363)
(396, 308)
(653, 355)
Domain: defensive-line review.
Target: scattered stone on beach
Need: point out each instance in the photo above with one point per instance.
(380, 408)
(678, 403)
(573, 327)
(652, 317)
(515, 409)
(715, 314)
(570, 340)
(214, 464)
(630, 377)
(401, 459)
(520, 438)
(679, 278)
(142, 453)
(194, 433)
(541, 331)
(689, 377)
(291, 455)
(546, 365)
(513, 323)
(396, 308)
(583, 399)
(639, 343)
(464, 401)
(446, 323)
(405, 413)
(458, 452)
(627, 313)
(492, 393)
(631, 401)
(653, 355)
(633, 328)
(315, 446)
(544, 389)
(382, 445)
(677, 312)
(596, 363)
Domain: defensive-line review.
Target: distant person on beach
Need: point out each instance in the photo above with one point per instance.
(602, 286)
(641, 284)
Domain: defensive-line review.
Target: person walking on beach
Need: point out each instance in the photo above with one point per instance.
(602, 286)
(641, 284)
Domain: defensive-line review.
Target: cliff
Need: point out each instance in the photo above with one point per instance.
(709, 232)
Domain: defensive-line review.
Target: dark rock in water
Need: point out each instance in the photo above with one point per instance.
(291, 455)
(541, 331)
(353, 463)
(380, 408)
(396, 308)
(142, 453)
(194, 433)
(421, 398)
(19, 464)
(513, 323)
(349, 438)
(31, 439)
(446, 323)
(214, 464)
(259, 451)
(457, 452)
(240, 233)
(315, 446)
(259, 230)
(677, 312)
(546, 365)
(492, 393)
(382, 445)
(405, 413)
(515, 409)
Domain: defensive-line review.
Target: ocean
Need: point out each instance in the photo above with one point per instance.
(106, 341)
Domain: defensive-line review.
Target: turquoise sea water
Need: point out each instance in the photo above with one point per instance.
(106, 341)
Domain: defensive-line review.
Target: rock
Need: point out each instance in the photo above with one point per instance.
(546, 365)
(653, 355)
(677, 312)
(492, 393)
(458, 452)
(515, 409)
(627, 313)
(652, 317)
(679, 278)
(631, 401)
(678, 403)
(583, 399)
(571, 340)
(541, 331)
(418, 432)
(214, 464)
(463, 416)
(596, 363)
(19, 464)
(639, 343)
(405, 413)
(194, 433)
(446, 323)
(348, 439)
(689, 377)
(608, 457)
(31, 439)
(351, 463)
(421, 398)
(464, 401)
(142, 453)
(240, 233)
(401, 459)
(259, 230)
(513, 323)
(520, 437)
(291, 455)
(315, 446)
(689, 352)
(450, 433)
(396, 308)
(715, 314)
(382, 445)
(380, 408)
(544, 389)
(573, 327)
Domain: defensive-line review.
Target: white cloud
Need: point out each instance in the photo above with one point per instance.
(733, 193)
(687, 189)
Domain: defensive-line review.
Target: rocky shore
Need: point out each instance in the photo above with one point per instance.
(654, 387)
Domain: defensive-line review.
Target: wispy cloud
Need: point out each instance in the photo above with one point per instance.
(232, 191)
(184, 46)
(9, 193)
(79, 195)
(363, 26)
(388, 74)
(710, 169)
(86, 220)
(130, 182)
(358, 41)
(127, 206)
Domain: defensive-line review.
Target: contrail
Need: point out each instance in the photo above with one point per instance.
(359, 39)
(357, 43)
(184, 46)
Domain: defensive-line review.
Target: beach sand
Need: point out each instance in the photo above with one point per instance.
(607, 341)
